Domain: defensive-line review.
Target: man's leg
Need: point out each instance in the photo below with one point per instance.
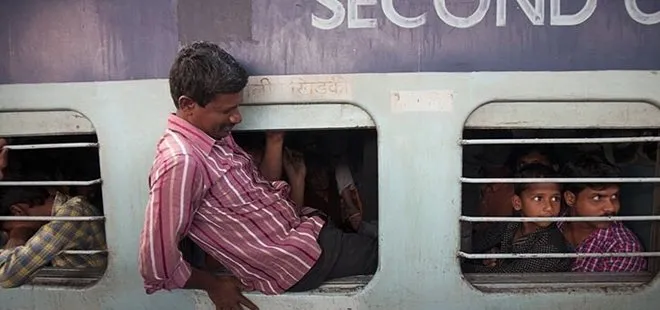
(343, 254)
(369, 229)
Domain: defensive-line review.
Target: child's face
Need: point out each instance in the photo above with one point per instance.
(539, 200)
(595, 202)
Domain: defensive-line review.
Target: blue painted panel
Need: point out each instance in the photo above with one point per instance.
(86, 40)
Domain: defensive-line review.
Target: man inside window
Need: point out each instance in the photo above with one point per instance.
(31, 245)
(588, 200)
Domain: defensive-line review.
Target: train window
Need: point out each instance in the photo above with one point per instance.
(50, 196)
(556, 200)
(324, 151)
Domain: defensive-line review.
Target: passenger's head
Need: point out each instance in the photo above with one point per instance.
(537, 199)
(206, 84)
(592, 199)
(526, 155)
(26, 201)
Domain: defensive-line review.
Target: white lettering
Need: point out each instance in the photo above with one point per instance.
(461, 22)
(535, 13)
(354, 21)
(557, 19)
(639, 16)
(338, 15)
(398, 19)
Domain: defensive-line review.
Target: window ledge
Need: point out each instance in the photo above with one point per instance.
(558, 281)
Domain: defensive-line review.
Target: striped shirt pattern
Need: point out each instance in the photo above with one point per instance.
(211, 191)
(17, 265)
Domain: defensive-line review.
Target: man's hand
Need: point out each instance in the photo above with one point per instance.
(224, 291)
(226, 295)
(19, 235)
(4, 157)
(9, 226)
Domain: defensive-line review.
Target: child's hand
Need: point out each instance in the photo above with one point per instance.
(491, 262)
(294, 165)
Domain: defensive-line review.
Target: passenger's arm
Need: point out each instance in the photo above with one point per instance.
(224, 291)
(173, 184)
(532, 265)
(296, 171)
(175, 187)
(19, 263)
(271, 164)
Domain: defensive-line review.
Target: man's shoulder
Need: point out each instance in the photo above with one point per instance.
(172, 143)
(618, 236)
(74, 206)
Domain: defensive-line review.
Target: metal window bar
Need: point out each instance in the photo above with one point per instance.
(553, 255)
(53, 218)
(50, 183)
(50, 146)
(77, 252)
(635, 218)
(84, 252)
(559, 140)
(559, 180)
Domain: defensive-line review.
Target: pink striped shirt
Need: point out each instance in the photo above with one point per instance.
(211, 191)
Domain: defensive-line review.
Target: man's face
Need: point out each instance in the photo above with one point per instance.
(217, 118)
(23, 209)
(539, 200)
(602, 201)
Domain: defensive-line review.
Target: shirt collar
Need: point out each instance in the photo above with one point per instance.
(60, 199)
(193, 134)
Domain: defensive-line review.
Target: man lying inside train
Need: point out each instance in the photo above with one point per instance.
(597, 199)
(204, 186)
(30, 245)
(529, 200)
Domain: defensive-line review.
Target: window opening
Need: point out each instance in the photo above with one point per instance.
(489, 179)
(323, 151)
(61, 168)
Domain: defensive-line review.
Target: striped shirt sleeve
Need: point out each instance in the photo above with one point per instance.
(174, 184)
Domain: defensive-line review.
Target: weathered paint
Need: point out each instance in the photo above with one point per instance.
(96, 40)
(419, 199)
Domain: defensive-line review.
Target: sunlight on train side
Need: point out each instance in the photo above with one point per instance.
(560, 195)
(53, 165)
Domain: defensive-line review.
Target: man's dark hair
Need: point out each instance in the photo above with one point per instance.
(202, 70)
(534, 170)
(589, 166)
(520, 151)
(32, 196)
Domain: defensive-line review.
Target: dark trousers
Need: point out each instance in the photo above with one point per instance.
(343, 254)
